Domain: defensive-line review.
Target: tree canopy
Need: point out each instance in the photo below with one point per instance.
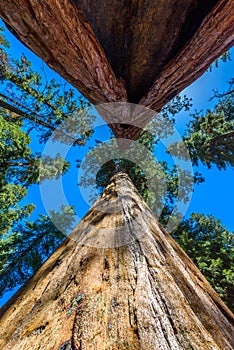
(211, 246)
(32, 106)
(210, 136)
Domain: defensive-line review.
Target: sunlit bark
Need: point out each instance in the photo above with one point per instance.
(58, 32)
(119, 282)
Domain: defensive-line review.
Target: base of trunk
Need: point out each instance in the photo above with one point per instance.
(146, 294)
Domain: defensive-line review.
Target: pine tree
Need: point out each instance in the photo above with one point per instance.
(30, 103)
(210, 136)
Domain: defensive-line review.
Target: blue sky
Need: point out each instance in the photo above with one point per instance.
(214, 196)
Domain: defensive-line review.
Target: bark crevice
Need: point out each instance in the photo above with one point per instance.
(146, 294)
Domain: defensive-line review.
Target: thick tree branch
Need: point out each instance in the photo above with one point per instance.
(17, 259)
(19, 81)
(220, 95)
(219, 139)
(24, 114)
(10, 164)
(34, 118)
(58, 33)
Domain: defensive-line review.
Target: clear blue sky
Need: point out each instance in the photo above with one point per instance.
(214, 196)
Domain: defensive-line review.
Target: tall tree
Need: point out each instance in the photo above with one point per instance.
(148, 294)
(28, 168)
(210, 136)
(30, 102)
(211, 246)
(157, 183)
(19, 240)
(86, 296)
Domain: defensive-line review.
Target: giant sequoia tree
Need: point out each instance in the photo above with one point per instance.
(143, 292)
(120, 281)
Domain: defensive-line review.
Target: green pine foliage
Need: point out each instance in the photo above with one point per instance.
(27, 244)
(32, 104)
(224, 58)
(210, 136)
(156, 181)
(211, 247)
(41, 103)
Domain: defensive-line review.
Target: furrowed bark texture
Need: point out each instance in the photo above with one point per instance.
(143, 293)
(214, 36)
(155, 50)
(59, 33)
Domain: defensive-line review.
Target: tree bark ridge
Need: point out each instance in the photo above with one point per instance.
(141, 293)
(214, 36)
(58, 32)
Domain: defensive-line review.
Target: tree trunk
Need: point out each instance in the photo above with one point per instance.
(118, 282)
(146, 49)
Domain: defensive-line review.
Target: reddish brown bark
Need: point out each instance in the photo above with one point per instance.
(140, 37)
(143, 292)
(58, 32)
(214, 36)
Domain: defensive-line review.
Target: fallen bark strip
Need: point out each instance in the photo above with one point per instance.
(214, 37)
